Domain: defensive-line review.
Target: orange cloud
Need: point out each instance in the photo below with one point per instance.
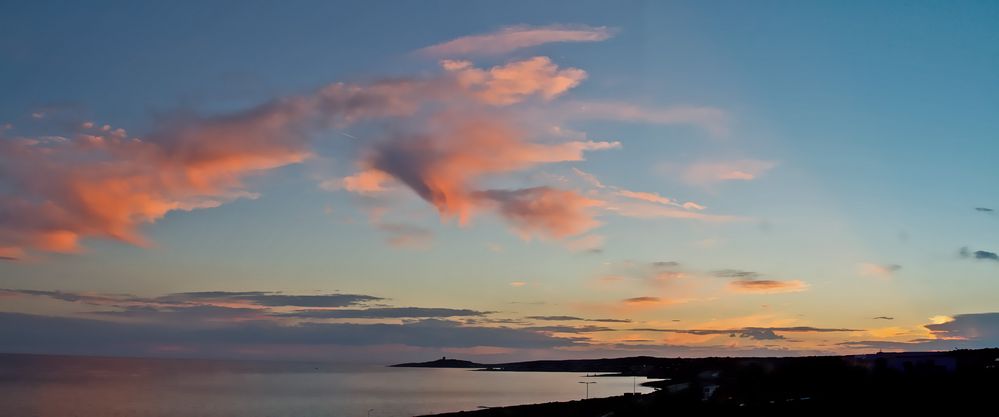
(370, 181)
(765, 286)
(104, 185)
(511, 38)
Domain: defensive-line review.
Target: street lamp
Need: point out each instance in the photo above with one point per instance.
(587, 388)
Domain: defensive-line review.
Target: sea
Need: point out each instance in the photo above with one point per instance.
(75, 386)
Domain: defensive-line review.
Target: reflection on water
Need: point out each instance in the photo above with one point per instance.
(53, 386)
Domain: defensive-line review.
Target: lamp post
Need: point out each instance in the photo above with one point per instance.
(587, 388)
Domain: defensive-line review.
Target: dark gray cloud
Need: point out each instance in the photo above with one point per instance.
(966, 331)
(488, 320)
(186, 315)
(385, 312)
(259, 298)
(666, 264)
(756, 333)
(978, 254)
(639, 300)
(574, 318)
(981, 326)
(47, 334)
(555, 318)
(272, 299)
(883, 318)
(985, 210)
(92, 299)
(736, 273)
(568, 329)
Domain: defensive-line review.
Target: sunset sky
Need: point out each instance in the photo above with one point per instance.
(498, 180)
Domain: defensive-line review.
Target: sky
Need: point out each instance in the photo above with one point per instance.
(358, 181)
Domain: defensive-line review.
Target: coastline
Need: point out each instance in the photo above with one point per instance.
(888, 382)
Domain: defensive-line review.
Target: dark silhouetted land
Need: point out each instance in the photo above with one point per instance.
(888, 383)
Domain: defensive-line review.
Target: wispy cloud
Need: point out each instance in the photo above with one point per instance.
(574, 318)
(227, 298)
(757, 333)
(512, 38)
(644, 204)
(767, 286)
(588, 243)
(384, 312)
(713, 120)
(869, 269)
(736, 273)
(707, 173)
(403, 235)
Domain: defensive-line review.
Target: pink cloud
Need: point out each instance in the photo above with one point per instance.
(515, 81)
(450, 135)
(644, 196)
(101, 183)
(443, 169)
(511, 38)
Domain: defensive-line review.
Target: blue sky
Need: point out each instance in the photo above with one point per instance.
(838, 156)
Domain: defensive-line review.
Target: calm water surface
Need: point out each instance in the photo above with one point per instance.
(41, 386)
